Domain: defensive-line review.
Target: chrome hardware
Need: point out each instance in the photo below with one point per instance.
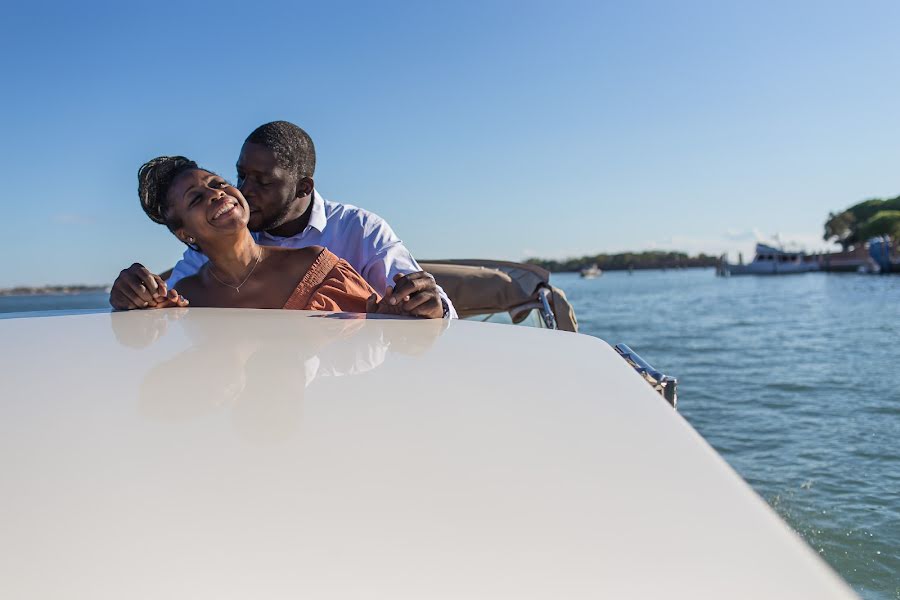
(662, 383)
(546, 311)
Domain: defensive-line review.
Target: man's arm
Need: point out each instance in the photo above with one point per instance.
(136, 287)
(389, 264)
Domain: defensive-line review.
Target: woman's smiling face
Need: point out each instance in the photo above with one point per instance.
(206, 206)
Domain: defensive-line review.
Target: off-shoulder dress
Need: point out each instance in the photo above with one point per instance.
(331, 284)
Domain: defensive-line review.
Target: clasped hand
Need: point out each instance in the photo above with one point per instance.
(412, 295)
(136, 287)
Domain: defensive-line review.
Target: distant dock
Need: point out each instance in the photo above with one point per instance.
(849, 261)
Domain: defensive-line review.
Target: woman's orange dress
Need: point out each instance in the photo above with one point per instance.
(331, 284)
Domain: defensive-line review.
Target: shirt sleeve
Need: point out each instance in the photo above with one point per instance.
(390, 257)
(190, 263)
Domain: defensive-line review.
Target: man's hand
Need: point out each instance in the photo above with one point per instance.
(416, 294)
(136, 287)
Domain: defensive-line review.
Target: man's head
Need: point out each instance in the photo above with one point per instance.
(275, 173)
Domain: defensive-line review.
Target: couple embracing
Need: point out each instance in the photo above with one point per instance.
(305, 252)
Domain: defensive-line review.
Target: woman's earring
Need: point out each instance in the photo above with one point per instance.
(190, 240)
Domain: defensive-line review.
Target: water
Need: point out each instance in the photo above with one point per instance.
(53, 302)
(794, 380)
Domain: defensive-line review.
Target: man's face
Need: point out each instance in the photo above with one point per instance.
(269, 189)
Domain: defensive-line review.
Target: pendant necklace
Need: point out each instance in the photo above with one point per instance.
(237, 288)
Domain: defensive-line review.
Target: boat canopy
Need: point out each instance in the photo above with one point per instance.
(481, 287)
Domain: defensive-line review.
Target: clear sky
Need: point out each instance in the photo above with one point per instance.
(477, 129)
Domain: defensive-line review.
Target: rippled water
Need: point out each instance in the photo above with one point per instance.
(53, 302)
(794, 380)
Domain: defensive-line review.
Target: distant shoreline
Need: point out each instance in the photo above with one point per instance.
(617, 269)
(627, 261)
(54, 290)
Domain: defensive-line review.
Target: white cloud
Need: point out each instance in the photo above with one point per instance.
(744, 234)
(72, 219)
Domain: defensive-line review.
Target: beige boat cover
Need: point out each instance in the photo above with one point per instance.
(480, 287)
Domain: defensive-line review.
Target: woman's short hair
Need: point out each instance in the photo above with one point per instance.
(155, 177)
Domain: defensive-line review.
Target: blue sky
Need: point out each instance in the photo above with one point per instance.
(488, 129)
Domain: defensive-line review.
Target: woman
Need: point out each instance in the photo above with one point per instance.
(205, 212)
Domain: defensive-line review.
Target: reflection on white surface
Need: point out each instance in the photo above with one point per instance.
(253, 371)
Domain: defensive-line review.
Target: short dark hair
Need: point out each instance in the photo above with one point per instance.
(293, 148)
(155, 177)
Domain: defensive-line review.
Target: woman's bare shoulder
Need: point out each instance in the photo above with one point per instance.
(192, 288)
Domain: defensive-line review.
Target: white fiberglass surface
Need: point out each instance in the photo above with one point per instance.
(202, 453)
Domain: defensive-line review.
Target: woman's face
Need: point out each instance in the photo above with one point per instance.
(206, 205)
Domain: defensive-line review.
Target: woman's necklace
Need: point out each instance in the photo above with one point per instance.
(237, 287)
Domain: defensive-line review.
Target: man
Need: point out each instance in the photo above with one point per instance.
(275, 173)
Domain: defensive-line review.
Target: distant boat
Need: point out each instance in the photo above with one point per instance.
(770, 260)
(591, 272)
(885, 254)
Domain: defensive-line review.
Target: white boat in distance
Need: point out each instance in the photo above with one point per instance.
(237, 453)
(770, 260)
(591, 272)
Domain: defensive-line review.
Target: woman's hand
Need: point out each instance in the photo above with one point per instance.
(384, 307)
(172, 299)
(136, 287)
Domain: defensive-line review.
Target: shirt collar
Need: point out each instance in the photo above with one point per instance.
(317, 218)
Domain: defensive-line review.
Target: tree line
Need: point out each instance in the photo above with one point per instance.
(651, 259)
(853, 226)
(862, 221)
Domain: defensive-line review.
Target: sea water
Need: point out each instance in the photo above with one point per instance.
(53, 302)
(795, 380)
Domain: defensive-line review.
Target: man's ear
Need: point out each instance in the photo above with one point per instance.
(304, 187)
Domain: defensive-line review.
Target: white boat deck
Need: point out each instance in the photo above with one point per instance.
(207, 453)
